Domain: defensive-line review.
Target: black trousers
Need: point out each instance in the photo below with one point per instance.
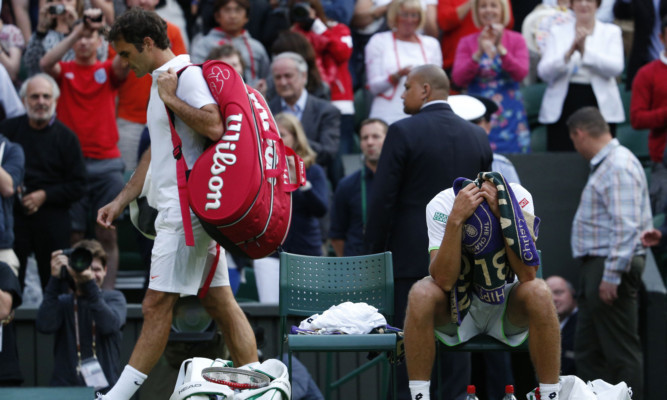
(578, 96)
(607, 343)
(42, 232)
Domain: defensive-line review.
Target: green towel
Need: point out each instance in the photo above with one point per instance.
(484, 266)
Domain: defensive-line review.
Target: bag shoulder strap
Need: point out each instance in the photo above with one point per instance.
(181, 169)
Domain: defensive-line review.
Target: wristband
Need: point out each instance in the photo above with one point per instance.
(318, 27)
(306, 187)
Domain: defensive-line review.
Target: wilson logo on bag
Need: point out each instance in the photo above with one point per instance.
(239, 187)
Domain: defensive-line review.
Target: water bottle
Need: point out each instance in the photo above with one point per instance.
(471, 393)
(509, 393)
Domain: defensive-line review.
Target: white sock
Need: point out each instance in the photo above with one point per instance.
(128, 383)
(419, 390)
(549, 391)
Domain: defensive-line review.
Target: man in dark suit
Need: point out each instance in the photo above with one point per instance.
(421, 156)
(645, 42)
(563, 294)
(319, 118)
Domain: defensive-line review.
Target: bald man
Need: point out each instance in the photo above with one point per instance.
(421, 156)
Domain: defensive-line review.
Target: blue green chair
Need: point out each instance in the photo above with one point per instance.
(538, 139)
(532, 101)
(248, 290)
(310, 285)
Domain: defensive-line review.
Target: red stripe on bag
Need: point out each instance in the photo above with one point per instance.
(207, 284)
(181, 167)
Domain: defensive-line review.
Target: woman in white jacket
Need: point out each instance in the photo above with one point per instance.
(391, 55)
(580, 63)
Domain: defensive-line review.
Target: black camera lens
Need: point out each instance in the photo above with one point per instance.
(94, 19)
(56, 9)
(79, 258)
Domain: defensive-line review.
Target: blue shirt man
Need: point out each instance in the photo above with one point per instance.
(12, 168)
(348, 214)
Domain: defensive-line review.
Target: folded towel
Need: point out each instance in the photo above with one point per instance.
(348, 317)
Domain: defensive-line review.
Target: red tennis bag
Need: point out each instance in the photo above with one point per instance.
(239, 187)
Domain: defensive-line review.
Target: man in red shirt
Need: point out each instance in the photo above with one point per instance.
(88, 107)
(648, 110)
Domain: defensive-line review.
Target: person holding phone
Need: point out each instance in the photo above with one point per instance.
(57, 19)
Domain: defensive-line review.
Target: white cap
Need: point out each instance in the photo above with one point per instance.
(467, 107)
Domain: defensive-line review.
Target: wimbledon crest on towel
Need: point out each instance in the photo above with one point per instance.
(477, 232)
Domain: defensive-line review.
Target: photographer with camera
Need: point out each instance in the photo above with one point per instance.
(56, 21)
(87, 322)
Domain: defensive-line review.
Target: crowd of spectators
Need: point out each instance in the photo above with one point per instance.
(72, 113)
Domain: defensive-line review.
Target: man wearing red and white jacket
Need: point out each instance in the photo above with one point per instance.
(332, 43)
(648, 110)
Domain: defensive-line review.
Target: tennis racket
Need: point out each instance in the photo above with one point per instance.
(235, 378)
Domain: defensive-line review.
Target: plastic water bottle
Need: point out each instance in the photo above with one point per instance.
(471, 393)
(509, 393)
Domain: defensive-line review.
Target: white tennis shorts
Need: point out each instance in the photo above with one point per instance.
(484, 318)
(177, 268)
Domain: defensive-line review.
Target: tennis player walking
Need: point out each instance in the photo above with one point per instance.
(140, 38)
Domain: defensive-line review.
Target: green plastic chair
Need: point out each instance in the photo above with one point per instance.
(310, 285)
(248, 290)
(538, 139)
(635, 140)
(532, 101)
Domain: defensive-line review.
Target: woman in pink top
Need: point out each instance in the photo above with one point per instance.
(455, 21)
(491, 63)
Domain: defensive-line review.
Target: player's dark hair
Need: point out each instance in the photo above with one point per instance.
(136, 24)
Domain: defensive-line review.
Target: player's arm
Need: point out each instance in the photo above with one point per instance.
(206, 120)
(446, 262)
(523, 272)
